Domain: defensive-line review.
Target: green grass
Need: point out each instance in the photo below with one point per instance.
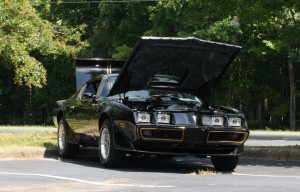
(26, 129)
(26, 126)
(45, 139)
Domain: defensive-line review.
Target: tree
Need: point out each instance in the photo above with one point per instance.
(279, 21)
(39, 41)
(118, 28)
(27, 42)
(257, 81)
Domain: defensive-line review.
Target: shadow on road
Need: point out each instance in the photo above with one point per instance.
(181, 165)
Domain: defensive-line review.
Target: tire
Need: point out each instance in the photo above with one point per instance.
(65, 149)
(225, 163)
(109, 156)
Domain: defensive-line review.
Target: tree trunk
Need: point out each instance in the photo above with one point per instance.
(259, 112)
(292, 95)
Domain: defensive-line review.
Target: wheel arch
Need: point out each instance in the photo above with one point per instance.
(60, 114)
(102, 118)
(121, 139)
(71, 136)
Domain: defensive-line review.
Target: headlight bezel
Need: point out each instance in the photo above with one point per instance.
(222, 121)
(234, 121)
(217, 121)
(205, 120)
(164, 118)
(143, 117)
(212, 120)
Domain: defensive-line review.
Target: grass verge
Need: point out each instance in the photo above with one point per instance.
(45, 139)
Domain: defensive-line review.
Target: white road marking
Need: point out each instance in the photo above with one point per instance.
(88, 182)
(270, 176)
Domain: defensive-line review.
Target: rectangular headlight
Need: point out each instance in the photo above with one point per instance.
(215, 121)
(218, 121)
(143, 117)
(163, 118)
(234, 122)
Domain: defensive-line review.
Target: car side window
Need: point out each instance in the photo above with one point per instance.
(90, 89)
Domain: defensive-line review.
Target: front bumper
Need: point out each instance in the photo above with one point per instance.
(188, 149)
(183, 140)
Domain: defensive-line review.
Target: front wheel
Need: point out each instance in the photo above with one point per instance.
(225, 163)
(109, 156)
(65, 149)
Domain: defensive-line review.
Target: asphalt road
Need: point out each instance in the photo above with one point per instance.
(178, 175)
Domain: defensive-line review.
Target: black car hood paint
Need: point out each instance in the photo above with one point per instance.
(200, 64)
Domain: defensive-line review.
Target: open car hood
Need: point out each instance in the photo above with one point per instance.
(188, 65)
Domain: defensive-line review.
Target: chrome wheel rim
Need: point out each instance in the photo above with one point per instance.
(104, 143)
(61, 137)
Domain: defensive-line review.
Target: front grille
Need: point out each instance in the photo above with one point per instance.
(162, 134)
(226, 136)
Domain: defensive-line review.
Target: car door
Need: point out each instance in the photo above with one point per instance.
(81, 111)
(101, 98)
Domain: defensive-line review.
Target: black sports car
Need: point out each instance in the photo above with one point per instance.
(158, 104)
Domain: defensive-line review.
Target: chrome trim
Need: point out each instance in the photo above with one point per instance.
(245, 136)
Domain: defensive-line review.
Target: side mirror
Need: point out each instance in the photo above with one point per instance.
(87, 95)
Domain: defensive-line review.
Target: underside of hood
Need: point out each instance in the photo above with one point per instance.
(188, 65)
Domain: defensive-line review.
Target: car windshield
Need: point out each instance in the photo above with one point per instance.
(147, 94)
(165, 95)
(162, 95)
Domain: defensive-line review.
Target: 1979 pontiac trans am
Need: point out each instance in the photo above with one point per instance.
(158, 104)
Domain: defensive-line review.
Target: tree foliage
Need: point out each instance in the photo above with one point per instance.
(27, 43)
(39, 41)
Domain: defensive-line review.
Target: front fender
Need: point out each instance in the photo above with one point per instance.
(123, 124)
(57, 112)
